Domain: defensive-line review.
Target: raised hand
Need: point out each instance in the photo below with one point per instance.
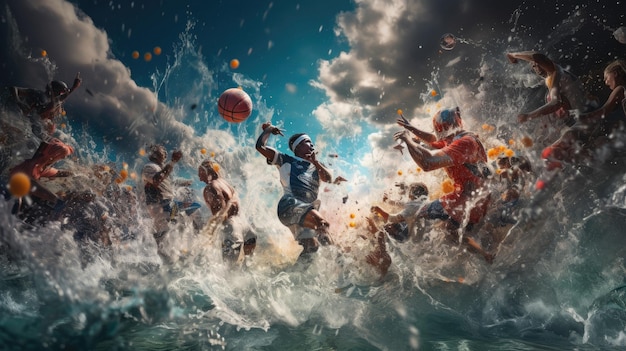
(273, 129)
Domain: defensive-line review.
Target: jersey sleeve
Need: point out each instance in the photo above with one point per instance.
(462, 150)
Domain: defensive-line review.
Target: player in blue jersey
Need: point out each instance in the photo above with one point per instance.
(300, 176)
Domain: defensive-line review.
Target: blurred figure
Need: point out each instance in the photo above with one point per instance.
(44, 106)
(223, 202)
(403, 225)
(463, 157)
(300, 177)
(565, 92)
(597, 128)
(159, 191)
(514, 175)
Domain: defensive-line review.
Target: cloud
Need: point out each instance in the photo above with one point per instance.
(126, 114)
(395, 60)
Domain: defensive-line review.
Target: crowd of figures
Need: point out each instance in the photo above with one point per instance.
(484, 196)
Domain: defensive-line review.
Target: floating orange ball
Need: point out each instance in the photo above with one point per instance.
(352, 215)
(216, 167)
(399, 112)
(433, 93)
(212, 154)
(135, 54)
(147, 57)
(203, 151)
(157, 50)
(234, 63)
(44, 53)
(142, 152)
(527, 141)
(352, 224)
(447, 186)
(399, 173)
(19, 184)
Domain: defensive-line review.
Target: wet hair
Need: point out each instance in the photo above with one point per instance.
(154, 149)
(618, 67)
(58, 88)
(208, 165)
(418, 189)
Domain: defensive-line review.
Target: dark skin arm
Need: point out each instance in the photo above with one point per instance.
(167, 169)
(544, 67)
(324, 173)
(261, 143)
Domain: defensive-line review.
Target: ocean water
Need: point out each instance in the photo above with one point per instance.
(557, 282)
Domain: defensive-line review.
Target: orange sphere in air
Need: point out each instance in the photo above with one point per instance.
(234, 63)
(157, 50)
(19, 184)
(147, 57)
(135, 54)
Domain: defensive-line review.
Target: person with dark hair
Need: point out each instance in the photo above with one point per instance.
(403, 225)
(223, 202)
(300, 176)
(44, 106)
(461, 154)
(596, 128)
(159, 191)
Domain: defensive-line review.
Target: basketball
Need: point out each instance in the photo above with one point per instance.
(234, 105)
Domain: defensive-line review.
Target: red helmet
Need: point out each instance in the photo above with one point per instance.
(445, 121)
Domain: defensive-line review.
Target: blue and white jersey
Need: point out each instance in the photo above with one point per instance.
(298, 177)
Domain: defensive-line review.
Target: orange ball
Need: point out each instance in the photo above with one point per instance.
(433, 93)
(352, 215)
(44, 53)
(157, 50)
(135, 54)
(447, 186)
(234, 63)
(203, 151)
(147, 57)
(399, 173)
(399, 112)
(19, 184)
(527, 141)
(216, 167)
(142, 152)
(352, 224)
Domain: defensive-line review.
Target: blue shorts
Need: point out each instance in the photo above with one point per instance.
(291, 213)
(292, 210)
(434, 210)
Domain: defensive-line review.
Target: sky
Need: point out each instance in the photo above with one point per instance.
(338, 69)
